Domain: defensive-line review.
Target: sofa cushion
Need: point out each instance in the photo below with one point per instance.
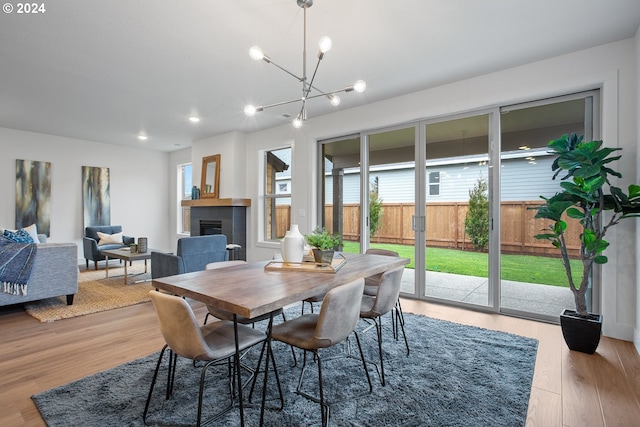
(20, 236)
(92, 230)
(106, 239)
(32, 230)
(109, 247)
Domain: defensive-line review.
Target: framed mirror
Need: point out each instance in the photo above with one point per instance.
(210, 176)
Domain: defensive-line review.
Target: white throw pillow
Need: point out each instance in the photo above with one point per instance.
(106, 239)
(33, 232)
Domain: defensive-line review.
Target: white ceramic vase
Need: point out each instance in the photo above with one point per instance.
(292, 245)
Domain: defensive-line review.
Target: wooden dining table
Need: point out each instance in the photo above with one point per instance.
(251, 290)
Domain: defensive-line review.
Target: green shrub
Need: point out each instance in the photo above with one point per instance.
(476, 224)
(375, 212)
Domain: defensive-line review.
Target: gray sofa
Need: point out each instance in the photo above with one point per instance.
(54, 273)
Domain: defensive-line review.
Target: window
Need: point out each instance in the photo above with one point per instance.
(277, 193)
(185, 185)
(434, 183)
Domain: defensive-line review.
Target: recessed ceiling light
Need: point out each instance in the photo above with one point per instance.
(143, 137)
(194, 119)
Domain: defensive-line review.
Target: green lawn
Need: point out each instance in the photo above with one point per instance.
(519, 268)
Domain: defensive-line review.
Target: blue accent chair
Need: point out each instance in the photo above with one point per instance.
(93, 251)
(193, 254)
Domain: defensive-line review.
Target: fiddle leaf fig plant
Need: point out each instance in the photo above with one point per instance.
(586, 194)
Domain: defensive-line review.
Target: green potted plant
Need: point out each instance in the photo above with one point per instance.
(323, 244)
(586, 193)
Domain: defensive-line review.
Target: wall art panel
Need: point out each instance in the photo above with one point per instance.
(96, 198)
(33, 195)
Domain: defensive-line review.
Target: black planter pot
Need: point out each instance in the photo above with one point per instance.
(581, 334)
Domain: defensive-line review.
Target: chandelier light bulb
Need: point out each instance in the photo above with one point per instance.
(250, 110)
(297, 123)
(325, 44)
(360, 86)
(256, 53)
(335, 100)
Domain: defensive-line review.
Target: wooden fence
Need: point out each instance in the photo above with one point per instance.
(445, 226)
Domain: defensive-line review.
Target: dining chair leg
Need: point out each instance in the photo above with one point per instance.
(324, 409)
(324, 413)
(173, 360)
(201, 394)
(310, 305)
(401, 322)
(153, 383)
(293, 352)
(378, 323)
(364, 362)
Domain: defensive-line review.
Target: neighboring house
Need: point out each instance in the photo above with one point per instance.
(525, 176)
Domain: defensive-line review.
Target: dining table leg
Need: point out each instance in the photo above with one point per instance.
(269, 356)
(237, 363)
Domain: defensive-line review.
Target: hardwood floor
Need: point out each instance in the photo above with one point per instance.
(569, 389)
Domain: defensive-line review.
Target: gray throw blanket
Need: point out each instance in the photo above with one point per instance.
(16, 262)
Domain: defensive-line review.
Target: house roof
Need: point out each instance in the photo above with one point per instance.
(107, 70)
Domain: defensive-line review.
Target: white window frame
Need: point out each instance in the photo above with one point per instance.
(180, 210)
(433, 184)
(266, 197)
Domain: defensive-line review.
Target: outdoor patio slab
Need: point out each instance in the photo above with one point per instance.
(527, 297)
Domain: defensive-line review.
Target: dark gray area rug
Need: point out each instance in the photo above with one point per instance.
(455, 375)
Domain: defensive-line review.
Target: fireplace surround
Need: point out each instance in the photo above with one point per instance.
(228, 220)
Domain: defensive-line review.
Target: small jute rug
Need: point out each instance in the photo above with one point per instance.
(95, 293)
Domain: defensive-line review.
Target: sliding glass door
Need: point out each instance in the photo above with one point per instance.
(457, 196)
(340, 189)
(391, 204)
(532, 277)
(456, 221)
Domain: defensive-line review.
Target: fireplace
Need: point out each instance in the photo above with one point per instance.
(209, 227)
(228, 220)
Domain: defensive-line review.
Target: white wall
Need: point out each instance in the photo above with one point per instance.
(636, 339)
(231, 147)
(610, 67)
(138, 177)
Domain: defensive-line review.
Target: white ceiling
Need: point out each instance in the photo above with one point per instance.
(106, 70)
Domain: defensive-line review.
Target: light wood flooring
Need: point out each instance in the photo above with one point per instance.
(569, 389)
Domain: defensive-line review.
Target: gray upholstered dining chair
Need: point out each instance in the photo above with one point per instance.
(337, 320)
(371, 288)
(211, 343)
(374, 307)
